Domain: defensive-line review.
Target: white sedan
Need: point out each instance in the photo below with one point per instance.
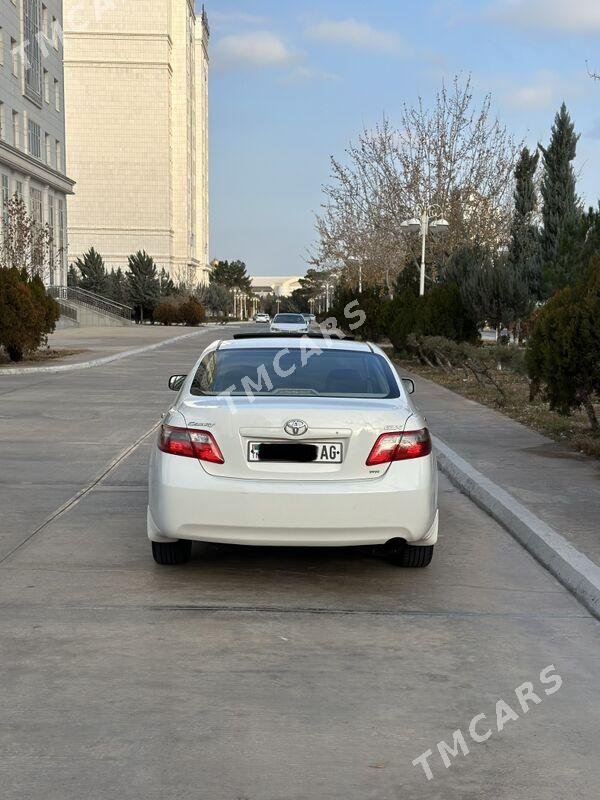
(289, 323)
(300, 441)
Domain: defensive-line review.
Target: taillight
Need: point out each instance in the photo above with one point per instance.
(400, 447)
(189, 443)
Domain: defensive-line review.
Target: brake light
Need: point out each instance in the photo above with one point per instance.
(400, 447)
(189, 443)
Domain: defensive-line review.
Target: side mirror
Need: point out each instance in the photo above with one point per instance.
(409, 385)
(176, 382)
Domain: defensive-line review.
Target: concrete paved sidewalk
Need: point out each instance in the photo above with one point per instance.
(95, 343)
(91, 347)
(556, 484)
(101, 342)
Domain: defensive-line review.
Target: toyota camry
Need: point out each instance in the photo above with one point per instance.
(289, 323)
(293, 441)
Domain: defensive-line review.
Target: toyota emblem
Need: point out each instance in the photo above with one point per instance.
(295, 427)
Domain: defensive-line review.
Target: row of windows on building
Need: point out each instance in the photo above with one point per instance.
(27, 136)
(48, 24)
(40, 35)
(53, 216)
(40, 82)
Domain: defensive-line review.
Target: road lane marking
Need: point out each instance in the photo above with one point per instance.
(79, 495)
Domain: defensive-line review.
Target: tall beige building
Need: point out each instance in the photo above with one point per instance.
(136, 99)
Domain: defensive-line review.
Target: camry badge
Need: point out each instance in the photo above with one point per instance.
(295, 427)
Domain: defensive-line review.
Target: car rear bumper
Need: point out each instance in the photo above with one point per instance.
(187, 503)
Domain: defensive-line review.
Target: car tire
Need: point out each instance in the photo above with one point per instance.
(170, 554)
(411, 556)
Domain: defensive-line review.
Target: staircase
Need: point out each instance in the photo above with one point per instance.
(90, 310)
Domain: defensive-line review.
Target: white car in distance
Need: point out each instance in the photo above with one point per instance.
(262, 318)
(293, 441)
(289, 323)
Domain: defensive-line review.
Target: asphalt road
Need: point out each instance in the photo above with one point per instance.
(260, 674)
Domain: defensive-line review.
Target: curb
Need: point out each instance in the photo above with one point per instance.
(573, 569)
(98, 362)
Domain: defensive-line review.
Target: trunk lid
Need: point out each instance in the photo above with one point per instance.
(236, 422)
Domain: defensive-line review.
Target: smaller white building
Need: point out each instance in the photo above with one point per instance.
(279, 285)
(32, 120)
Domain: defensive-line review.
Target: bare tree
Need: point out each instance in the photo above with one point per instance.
(454, 155)
(26, 243)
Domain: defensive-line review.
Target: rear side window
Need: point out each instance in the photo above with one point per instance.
(295, 372)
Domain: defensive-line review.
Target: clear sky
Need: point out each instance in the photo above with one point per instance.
(293, 81)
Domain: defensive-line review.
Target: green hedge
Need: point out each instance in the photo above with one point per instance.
(440, 312)
(27, 313)
(563, 353)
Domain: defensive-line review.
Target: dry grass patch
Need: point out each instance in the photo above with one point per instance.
(573, 431)
(40, 356)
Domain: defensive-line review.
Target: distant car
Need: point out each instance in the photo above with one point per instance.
(262, 318)
(310, 318)
(289, 323)
(264, 446)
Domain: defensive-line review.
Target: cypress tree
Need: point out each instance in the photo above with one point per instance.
(142, 283)
(116, 286)
(564, 349)
(524, 249)
(560, 202)
(93, 272)
(167, 287)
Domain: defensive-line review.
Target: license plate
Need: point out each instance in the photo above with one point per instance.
(324, 452)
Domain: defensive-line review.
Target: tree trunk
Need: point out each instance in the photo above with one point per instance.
(15, 353)
(534, 389)
(591, 413)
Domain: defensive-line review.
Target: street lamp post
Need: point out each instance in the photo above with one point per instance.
(438, 226)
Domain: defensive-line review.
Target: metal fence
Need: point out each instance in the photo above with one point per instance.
(90, 300)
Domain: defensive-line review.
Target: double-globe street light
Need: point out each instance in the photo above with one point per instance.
(438, 226)
(240, 299)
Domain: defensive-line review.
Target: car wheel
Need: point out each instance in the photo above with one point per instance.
(411, 556)
(172, 553)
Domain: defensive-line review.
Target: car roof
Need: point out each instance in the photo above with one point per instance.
(300, 341)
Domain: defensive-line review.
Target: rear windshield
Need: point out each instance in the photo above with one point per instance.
(271, 372)
(290, 318)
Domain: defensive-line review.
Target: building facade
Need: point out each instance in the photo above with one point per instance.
(32, 120)
(278, 285)
(136, 86)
